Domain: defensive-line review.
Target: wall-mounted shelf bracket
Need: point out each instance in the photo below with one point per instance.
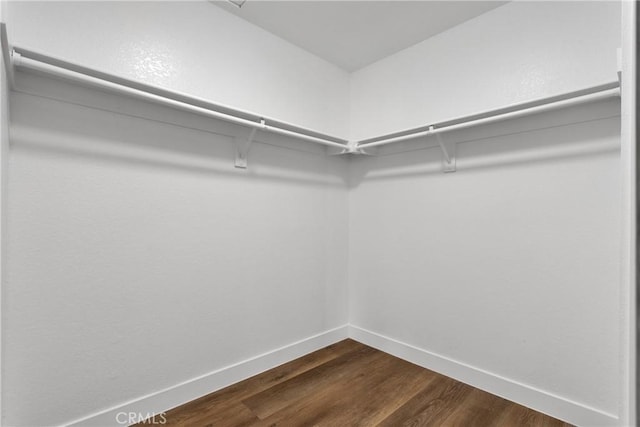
(448, 152)
(368, 151)
(243, 146)
(352, 148)
(347, 148)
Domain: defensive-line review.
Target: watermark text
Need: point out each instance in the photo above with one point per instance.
(149, 418)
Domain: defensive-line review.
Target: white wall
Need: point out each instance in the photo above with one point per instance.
(159, 262)
(506, 273)
(517, 52)
(140, 258)
(4, 161)
(194, 47)
(629, 241)
(509, 266)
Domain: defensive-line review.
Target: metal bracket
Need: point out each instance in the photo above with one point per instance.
(335, 151)
(243, 146)
(371, 151)
(338, 151)
(352, 148)
(448, 153)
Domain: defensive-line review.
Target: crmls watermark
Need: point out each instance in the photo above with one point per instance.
(148, 418)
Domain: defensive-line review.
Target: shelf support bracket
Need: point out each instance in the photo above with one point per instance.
(448, 153)
(352, 148)
(371, 151)
(243, 146)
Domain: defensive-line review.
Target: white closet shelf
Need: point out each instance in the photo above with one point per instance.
(550, 103)
(567, 99)
(18, 57)
(24, 58)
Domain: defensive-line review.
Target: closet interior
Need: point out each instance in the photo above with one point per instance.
(189, 199)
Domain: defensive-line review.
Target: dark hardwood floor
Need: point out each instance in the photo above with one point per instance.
(350, 384)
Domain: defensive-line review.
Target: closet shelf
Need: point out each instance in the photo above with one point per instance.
(25, 58)
(18, 57)
(567, 99)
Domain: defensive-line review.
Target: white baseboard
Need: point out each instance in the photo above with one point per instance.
(179, 394)
(540, 400)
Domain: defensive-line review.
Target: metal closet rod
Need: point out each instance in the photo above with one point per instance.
(21, 57)
(590, 94)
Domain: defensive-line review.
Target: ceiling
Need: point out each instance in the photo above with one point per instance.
(353, 34)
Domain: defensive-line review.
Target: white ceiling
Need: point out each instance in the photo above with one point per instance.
(353, 34)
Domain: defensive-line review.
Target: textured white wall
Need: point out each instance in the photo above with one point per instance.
(4, 162)
(517, 52)
(194, 47)
(139, 257)
(510, 265)
(141, 238)
(135, 232)
(150, 242)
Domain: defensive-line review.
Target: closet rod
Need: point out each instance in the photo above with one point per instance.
(26, 58)
(591, 94)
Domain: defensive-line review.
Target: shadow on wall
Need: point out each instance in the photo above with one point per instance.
(50, 127)
(546, 138)
(101, 126)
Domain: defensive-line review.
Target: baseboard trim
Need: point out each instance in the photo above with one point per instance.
(160, 401)
(540, 400)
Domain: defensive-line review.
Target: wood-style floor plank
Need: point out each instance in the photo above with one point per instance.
(343, 369)
(218, 402)
(351, 384)
(233, 414)
(516, 415)
(432, 405)
(479, 408)
(372, 392)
